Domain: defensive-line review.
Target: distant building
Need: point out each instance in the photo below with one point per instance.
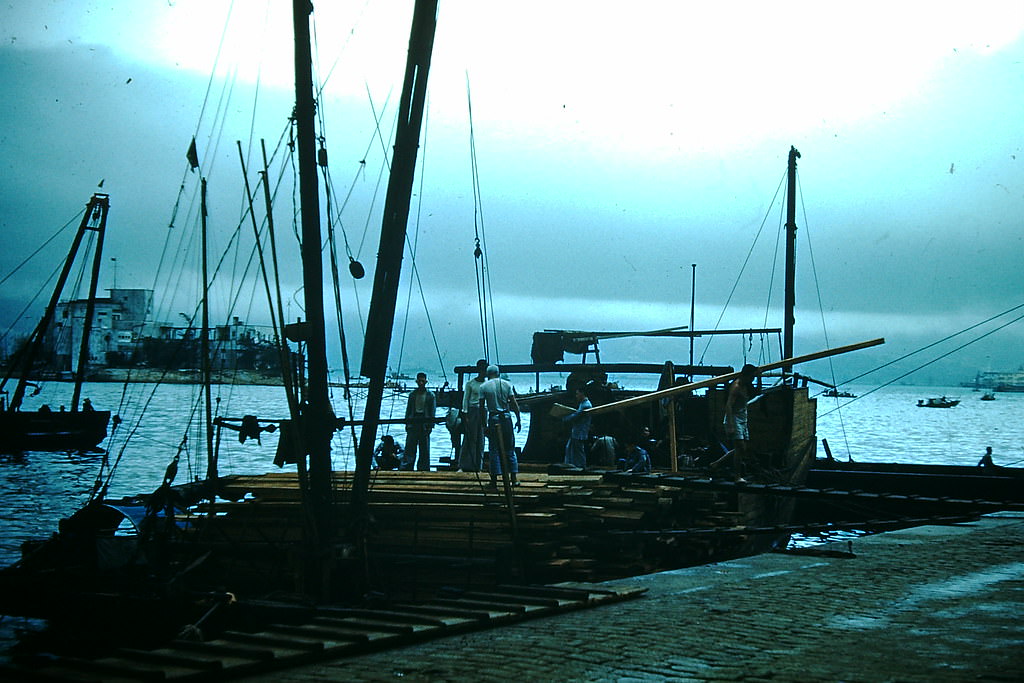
(118, 324)
(1001, 381)
(123, 335)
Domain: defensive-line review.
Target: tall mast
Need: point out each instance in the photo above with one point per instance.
(790, 316)
(204, 344)
(318, 417)
(90, 304)
(381, 318)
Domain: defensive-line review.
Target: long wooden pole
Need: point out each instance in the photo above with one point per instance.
(693, 386)
(318, 417)
(381, 317)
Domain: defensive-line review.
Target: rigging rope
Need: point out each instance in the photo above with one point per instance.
(746, 261)
(411, 245)
(74, 220)
(936, 359)
(484, 293)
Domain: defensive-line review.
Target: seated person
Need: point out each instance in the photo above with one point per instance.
(637, 460)
(388, 453)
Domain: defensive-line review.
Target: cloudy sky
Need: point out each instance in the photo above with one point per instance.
(615, 145)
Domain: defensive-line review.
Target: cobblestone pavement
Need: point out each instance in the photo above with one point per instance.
(926, 604)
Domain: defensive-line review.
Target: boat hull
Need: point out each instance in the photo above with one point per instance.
(890, 492)
(52, 431)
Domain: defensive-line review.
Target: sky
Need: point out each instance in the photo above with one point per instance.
(615, 145)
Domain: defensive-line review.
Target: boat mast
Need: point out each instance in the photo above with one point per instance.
(204, 346)
(381, 318)
(90, 304)
(790, 305)
(95, 210)
(318, 419)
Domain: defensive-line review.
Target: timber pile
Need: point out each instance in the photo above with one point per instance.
(429, 529)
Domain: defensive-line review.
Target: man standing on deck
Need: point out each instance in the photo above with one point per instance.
(579, 431)
(735, 421)
(498, 399)
(471, 455)
(419, 421)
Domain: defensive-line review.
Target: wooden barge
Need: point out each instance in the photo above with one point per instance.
(907, 490)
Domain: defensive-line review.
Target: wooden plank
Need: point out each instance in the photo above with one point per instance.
(171, 658)
(226, 646)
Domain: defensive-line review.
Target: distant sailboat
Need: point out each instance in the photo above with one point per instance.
(82, 427)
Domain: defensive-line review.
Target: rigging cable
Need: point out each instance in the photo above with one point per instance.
(936, 359)
(74, 220)
(780, 234)
(332, 246)
(336, 277)
(485, 297)
(746, 261)
(821, 309)
(412, 245)
(23, 312)
(202, 112)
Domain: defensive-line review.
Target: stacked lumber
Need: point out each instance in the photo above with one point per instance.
(441, 528)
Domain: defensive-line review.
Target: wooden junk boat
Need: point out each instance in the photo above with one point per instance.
(373, 535)
(81, 428)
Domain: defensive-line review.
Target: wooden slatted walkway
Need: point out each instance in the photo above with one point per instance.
(328, 633)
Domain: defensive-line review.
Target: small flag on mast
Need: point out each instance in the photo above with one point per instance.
(193, 155)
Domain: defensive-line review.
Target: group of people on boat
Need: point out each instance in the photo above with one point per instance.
(637, 452)
(634, 455)
(488, 404)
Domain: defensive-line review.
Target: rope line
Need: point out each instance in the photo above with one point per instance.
(934, 360)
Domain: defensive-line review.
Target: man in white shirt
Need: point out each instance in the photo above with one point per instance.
(499, 399)
(471, 455)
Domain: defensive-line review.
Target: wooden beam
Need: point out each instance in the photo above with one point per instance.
(693, 386)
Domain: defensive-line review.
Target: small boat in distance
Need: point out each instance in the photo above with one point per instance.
(988, 396)
(836, 393)
(941, 402)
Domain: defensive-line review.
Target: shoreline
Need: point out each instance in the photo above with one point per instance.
(151, 376)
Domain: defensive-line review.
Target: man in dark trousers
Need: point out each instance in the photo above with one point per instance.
(419, 421)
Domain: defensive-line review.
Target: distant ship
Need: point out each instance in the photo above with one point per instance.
(1001, 381)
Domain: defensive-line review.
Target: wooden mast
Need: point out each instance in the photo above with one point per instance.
(90, 303)
(204, 345)
(790, 304)
(317, 420)
(381, 318)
